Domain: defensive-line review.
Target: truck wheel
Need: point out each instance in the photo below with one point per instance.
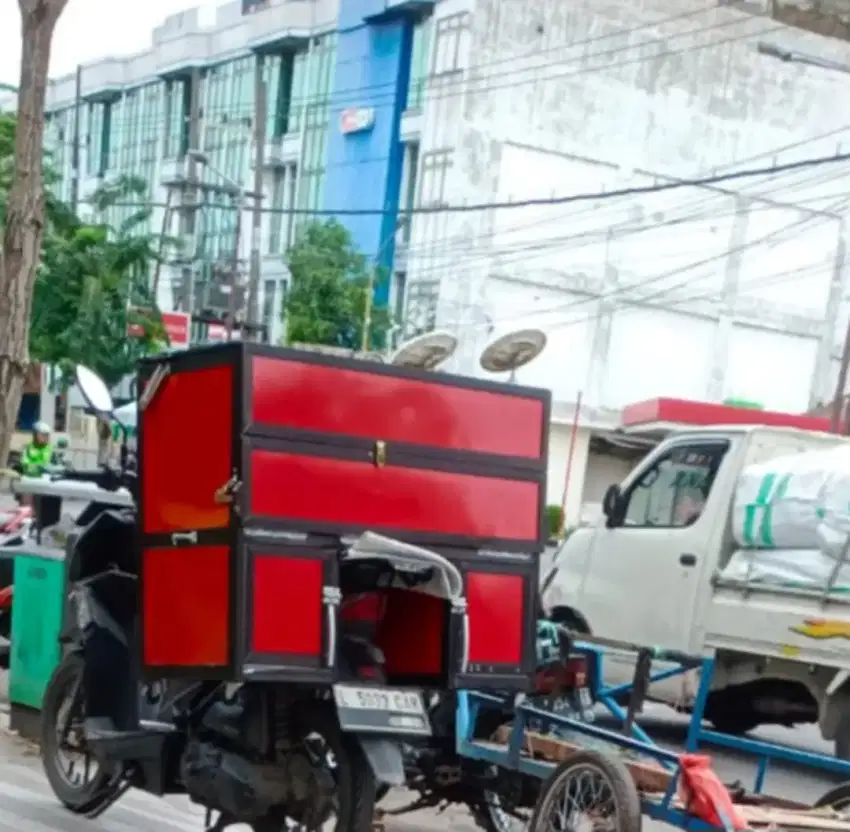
(733, 723)
(838, 798)
(842, 738)
(570, 619)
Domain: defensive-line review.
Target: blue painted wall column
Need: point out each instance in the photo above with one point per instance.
(364, 167)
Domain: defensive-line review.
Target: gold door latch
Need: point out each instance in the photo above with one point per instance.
(225, 495)
(379, 454)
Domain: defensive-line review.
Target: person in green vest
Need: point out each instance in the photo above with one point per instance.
(38, 454)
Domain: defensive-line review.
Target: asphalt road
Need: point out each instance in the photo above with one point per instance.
(791, 782)
(26, 804)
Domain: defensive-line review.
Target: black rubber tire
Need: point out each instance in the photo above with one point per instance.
(77, 800)
(623, 791)
(570, 619)
(486, 725)
(842, 737)
(838, 798)
(356, 784)
(734, 724)
(483, 816)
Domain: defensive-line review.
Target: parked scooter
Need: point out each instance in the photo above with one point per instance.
(268, 755)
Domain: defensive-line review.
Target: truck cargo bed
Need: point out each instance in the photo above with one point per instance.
(806, 625)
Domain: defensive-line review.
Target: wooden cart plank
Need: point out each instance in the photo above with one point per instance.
(649, 776)
(762, 817)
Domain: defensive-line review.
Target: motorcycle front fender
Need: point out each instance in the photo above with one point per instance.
(385, 757)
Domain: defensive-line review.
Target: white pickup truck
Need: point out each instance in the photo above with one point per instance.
(650, 573)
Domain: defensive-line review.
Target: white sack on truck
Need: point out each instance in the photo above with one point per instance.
(798, 568)
(795, 502)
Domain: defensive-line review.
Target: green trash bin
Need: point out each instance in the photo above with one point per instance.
(37, 611)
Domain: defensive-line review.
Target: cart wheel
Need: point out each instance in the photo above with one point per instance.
(590, 790)
(838, 798)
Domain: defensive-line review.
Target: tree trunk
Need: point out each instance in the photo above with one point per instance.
(24, 228)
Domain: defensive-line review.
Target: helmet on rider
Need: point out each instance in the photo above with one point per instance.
(41, 433)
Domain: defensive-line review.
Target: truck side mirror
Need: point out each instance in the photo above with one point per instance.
(612, 506)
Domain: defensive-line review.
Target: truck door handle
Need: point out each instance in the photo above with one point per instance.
(688, 560)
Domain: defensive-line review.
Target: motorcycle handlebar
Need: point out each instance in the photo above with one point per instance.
(83, 475)
(105, 477)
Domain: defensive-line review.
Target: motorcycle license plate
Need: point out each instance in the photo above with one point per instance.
(381, 710)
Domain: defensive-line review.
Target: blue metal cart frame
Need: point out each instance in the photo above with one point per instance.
(632, 737)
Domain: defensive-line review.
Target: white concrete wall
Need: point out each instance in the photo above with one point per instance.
(706, 293)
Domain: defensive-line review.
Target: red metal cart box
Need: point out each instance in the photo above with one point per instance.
(254, 460)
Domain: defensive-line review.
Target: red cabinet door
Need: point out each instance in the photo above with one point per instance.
(291, 612)
(341, 491)
(501, 623)
(371, 402)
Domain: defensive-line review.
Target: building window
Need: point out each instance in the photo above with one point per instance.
(178, 111)
(419, 62)
(435, 167)
(312, 79)
(94, 138)
(409, 182)
(281, 221)
(451, 37)
(278, 72)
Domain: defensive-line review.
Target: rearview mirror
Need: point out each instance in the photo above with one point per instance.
(94, 391)
(612, 505)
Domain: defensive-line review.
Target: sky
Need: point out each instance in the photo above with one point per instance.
(89, 30)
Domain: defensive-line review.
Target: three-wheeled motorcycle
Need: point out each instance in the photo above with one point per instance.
(224, 639)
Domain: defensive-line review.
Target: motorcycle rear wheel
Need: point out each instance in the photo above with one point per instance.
(79, 797)
(356, 786)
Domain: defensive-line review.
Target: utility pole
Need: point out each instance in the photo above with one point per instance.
(189, 192)
(367, 314)
(838, 401)
(235, 271)
(771, 50)
(163, 232)
(260, 112)
(75, 149)
(370, 285)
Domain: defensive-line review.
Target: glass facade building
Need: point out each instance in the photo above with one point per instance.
(141, 116)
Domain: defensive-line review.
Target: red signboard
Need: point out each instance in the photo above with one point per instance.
(657, 414)
(216, 333)
(177, 326)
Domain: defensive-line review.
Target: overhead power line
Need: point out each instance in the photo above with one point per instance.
(591, 196)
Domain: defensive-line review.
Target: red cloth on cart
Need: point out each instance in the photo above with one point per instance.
(705, 796)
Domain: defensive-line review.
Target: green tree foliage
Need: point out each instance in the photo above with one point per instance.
(326, 302)
(93, 283)
(93, 278)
